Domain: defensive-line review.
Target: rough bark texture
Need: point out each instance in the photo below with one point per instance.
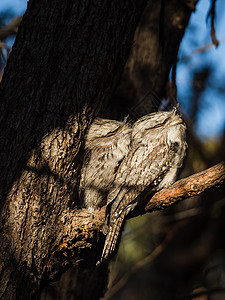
(65, 63)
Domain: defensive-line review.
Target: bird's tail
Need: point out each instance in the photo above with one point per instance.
(112, 236)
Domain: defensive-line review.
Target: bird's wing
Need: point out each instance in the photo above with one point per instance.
(104, 152)
(145, 166)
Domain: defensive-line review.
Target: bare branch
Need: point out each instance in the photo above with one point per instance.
(205, 292)
(211, 14)
(188, 187)
(11, 28)
(182, 189)
(138, 266)
(201, 49)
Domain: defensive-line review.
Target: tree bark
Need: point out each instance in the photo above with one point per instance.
(65, 64)
(153, 54)
(64, 67)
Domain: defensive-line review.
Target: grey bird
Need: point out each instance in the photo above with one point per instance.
(122, 161)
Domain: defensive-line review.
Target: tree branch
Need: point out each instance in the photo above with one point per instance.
(180, 190)
(187, 187)
(11, 28)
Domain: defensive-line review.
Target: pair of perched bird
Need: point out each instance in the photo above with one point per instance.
(123, 160)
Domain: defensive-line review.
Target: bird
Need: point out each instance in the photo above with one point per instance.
(122, 161)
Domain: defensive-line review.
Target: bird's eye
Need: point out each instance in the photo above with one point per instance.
(157, 125)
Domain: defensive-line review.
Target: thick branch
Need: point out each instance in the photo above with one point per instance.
(180, 190)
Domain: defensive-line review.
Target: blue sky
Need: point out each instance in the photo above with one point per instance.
(211, 121)
(17, 6)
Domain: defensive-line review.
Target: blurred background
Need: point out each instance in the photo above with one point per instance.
(178, 253)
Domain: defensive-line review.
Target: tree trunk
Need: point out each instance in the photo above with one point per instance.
(153, 54)
(64, 66)
(147, 69)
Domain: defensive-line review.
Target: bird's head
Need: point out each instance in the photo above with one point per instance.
(155, 124)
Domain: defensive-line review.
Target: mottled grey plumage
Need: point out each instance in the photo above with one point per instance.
(123, 160)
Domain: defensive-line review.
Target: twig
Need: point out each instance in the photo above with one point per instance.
(201, 49)
(206, 292)
(212, 13)
(115, 288)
